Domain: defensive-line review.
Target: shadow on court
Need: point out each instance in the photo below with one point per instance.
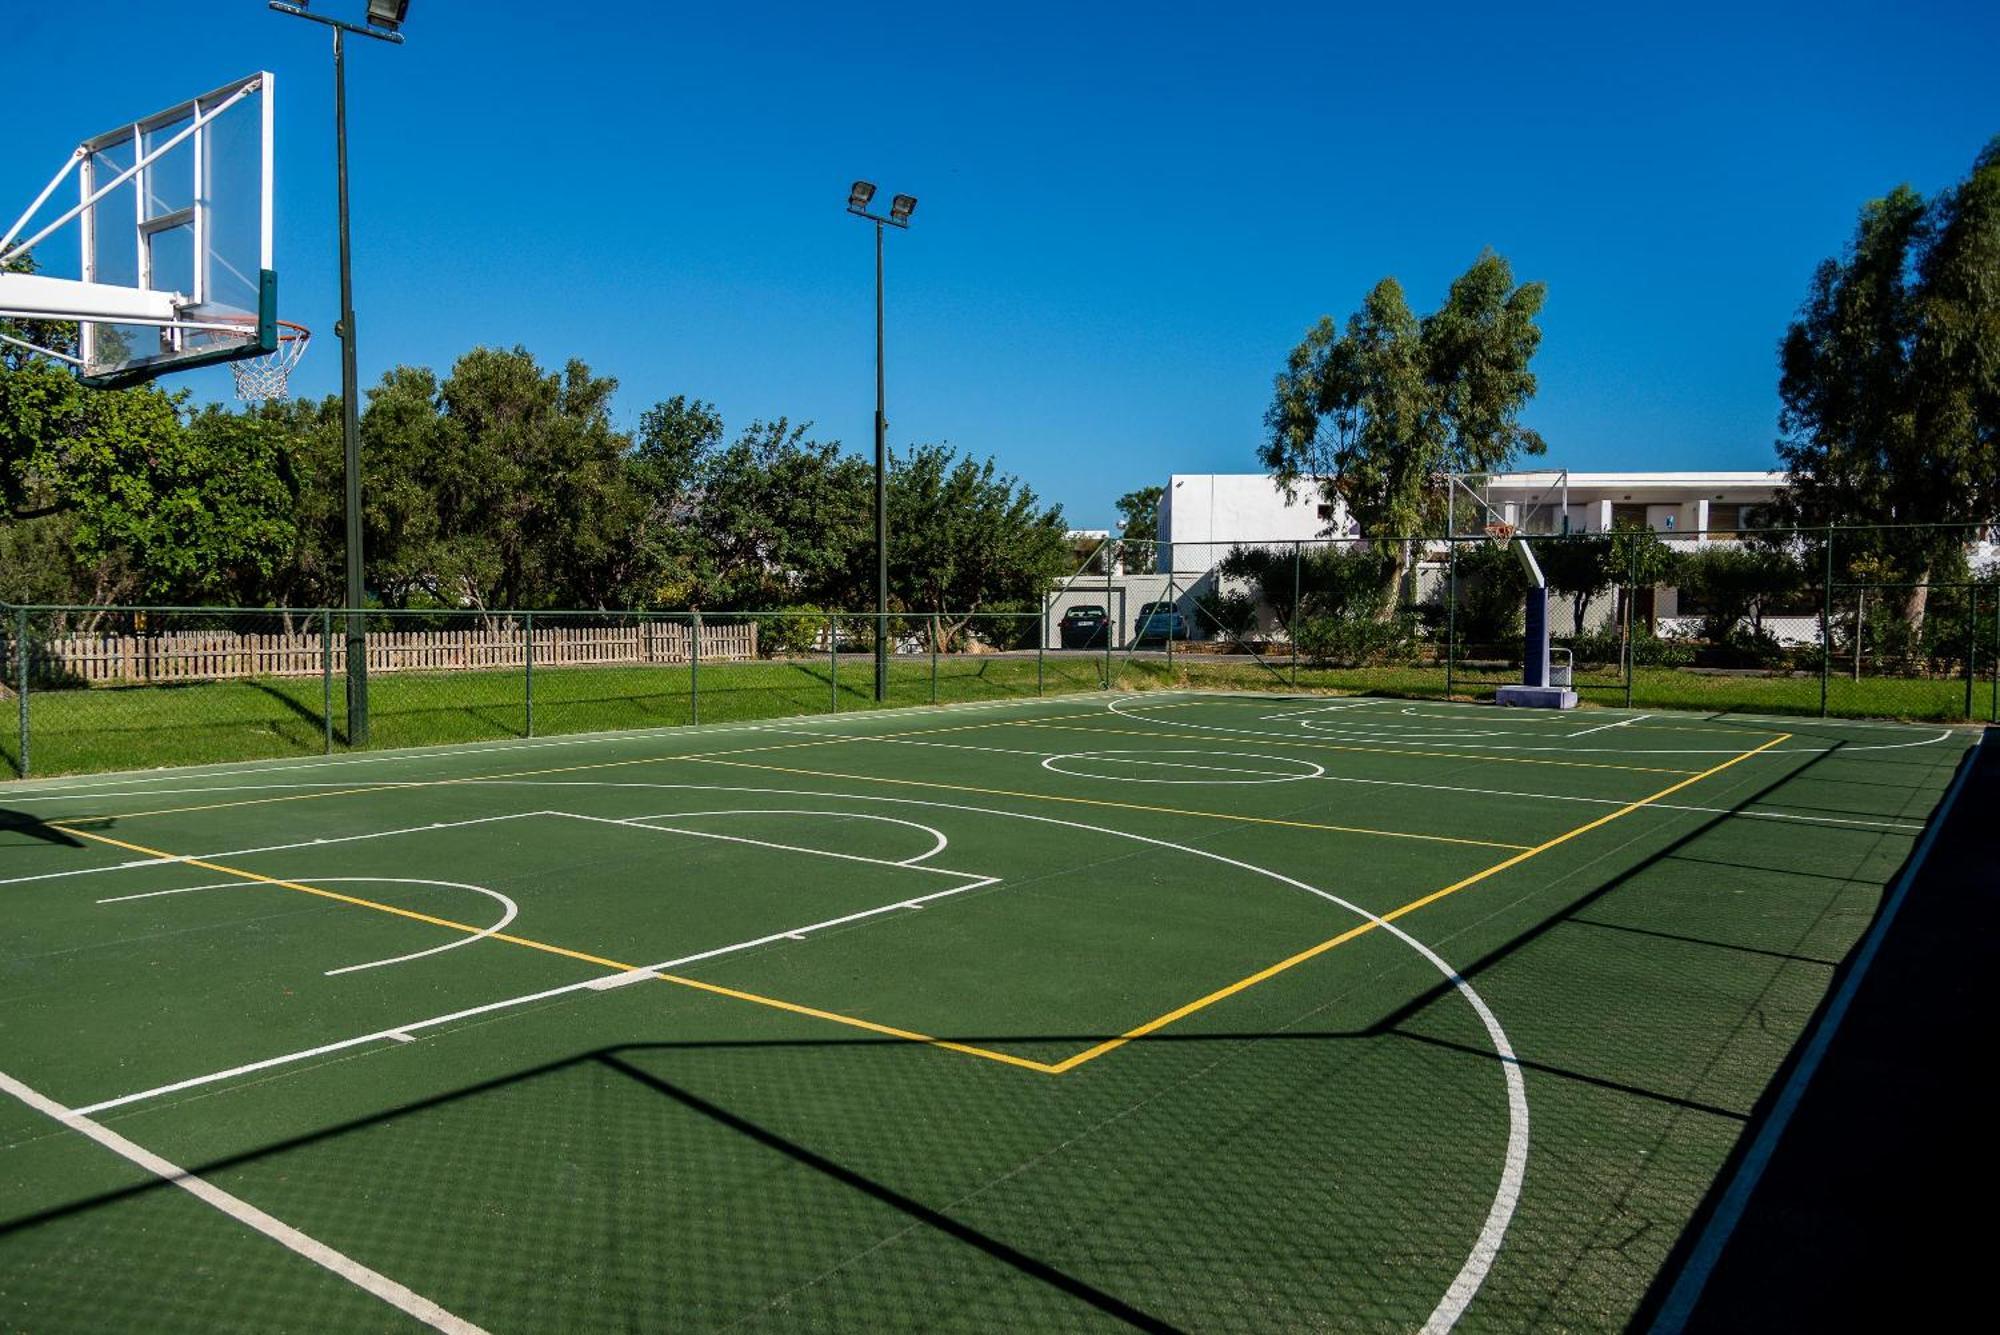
(19, 825)
(626, 1066)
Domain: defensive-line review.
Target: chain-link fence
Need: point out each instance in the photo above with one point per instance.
(1805, 621)
(103, 688)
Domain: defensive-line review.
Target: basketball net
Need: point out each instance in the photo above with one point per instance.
(1500, 531)
(269, 376)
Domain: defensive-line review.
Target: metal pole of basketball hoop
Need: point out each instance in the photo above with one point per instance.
(900, 209)
(385, 17)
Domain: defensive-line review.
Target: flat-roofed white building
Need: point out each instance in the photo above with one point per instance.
(1708, 504)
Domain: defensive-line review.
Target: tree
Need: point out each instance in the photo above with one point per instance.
(502, 486)
(1140, 511)
(1732, 584)
(147, 505)
(1369, 416)
(1579, 566)
(1890, 382)
(965, 537)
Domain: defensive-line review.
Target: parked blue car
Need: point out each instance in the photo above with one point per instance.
(1158, 622)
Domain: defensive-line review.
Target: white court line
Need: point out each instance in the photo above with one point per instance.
(1422, 747)
(643, 823)
(939, 844)
(176, 858)
(1486, 1246)
(401, 1032)
(510, 910)
(1621, 723)
(1686, 1292)
(399, 1296)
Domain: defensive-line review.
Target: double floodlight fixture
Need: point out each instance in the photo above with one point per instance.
(900, 208)
(385, 17)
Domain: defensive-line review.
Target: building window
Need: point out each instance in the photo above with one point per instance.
(1325, 512)
(1628, 516)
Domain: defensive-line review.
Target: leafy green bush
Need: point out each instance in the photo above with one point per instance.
(790, 633)
(1228, 615)
(1648, 649)
(1357, 641)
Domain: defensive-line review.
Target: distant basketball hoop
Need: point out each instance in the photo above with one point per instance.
(269, 377)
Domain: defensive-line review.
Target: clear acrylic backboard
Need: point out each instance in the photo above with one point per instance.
(161, 259)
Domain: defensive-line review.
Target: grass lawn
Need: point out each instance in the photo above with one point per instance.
(143, 727)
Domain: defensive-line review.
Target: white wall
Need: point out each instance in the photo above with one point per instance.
(1203, 514)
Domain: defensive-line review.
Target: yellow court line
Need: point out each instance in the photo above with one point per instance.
(909, 1035)
(1120, 806)
(1271, 971)
(1348, 746)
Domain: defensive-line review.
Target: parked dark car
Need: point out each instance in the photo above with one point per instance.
(1084, 626)
(1158, 622)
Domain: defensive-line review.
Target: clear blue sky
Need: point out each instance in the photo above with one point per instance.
(1128, 213)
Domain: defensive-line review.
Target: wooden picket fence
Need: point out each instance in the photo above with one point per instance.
(213, 655)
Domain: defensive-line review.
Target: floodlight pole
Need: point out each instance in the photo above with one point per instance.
(881, 493)
(899, 216)
(350, 393)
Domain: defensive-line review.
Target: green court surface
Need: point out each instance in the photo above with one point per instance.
(1174, 1010)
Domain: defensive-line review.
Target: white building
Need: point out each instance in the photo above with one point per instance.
(1698, 505)
(1209, 512)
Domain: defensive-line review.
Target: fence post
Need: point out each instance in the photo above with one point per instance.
(1826, 624)
(326, 674)
(1110, 618)
(1860, 625)
(1994, 709)
(21, 671)
(1625, 624)
(1041, 643)
(529, 675)
(934, 656)
(832, 665)
(1173, 604)
(1971, 645)
(694, 669)
(1292, 631)
(1450, 612)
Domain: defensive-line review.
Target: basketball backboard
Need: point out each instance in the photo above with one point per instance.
(163, 262)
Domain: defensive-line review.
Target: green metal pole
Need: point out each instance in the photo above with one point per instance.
(1993, 710)
(1041, 643)
(832, 666)
(694, 670)
(1826, 624)
(934, 656)
(528, 660)
(1971, 645)
(1450, 613)
(1110, 621)
(1625, 631)
(21, 670)
(1292, 631)
(326, 674)
(1172, 601)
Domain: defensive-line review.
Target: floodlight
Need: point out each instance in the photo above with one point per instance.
(901, 207)
(858, 197)
(387, 14)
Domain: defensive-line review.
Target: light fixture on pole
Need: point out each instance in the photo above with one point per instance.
(385, 17)
(900, 209)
